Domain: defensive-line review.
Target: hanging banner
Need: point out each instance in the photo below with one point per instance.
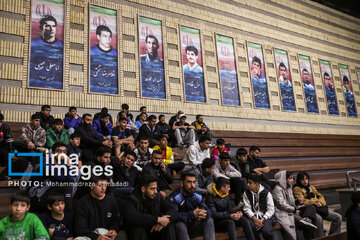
(358, 74)
(192, 65)
(258, 75)
(348, 90)
(308, 84)
(47, 44)
(227, 68)
(103, 50)
(284, 77)
(328, 82)
(151, 58)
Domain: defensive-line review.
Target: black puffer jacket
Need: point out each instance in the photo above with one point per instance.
(221, 207)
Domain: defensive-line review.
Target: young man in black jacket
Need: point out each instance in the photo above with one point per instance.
(222, 210)
(148, 215)
(90, 140)
(147, 130)
(161, 171)
(97, 210)
(204, 175)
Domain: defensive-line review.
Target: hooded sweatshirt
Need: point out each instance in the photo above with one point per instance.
(37, 136)
(195, 156)
(253, 206)
(220, 205)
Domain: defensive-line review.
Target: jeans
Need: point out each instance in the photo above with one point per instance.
(230, 225)
(207, 227)
(266, 230)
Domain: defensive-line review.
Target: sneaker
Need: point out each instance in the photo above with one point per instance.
(307, 224)
(239, 207)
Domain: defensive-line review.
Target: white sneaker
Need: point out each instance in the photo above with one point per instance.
(307, 224)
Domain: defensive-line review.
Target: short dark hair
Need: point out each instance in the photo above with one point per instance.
(57, 145)
(241, 151)
(144, 138)
(102, 28)
(102, 150)
(104, 110)
(130, 153)
(326, 74)
(161, 136)
(192, 48)
(20, 196)
(186, 174)
(1, 117)
(255, 178)
(300, 176)
(58, 121)
(197, 116)
(86, 115)
(43, 107)
(35, 116)
(345, 79)
(151, 117)
(125, 106)
(46, 18)
(204, 138)
(94, 179)
(256, 59)
(224, 155)
(75, 135)
(355, 198)
(160, 116)
(141, 108)
(122, 119)
(143, 113)
(254, 148)
(104, 115)
(55, 197)
(72, 108)
(159, 152)
(152, 36)
(221, 182)
(220, 141)
(207, 163)
(305, 70)
(146, 179)
(282, 65)
(288, 174)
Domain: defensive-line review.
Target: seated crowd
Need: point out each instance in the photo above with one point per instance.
(137, 200)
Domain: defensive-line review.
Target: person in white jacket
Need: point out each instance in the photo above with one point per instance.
(224, 169)
(197, 152)
(259, 208)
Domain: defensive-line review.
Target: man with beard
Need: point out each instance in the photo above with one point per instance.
(200, 127)
(90, 140)
(160, 170)
(193, 212)
(148, 215)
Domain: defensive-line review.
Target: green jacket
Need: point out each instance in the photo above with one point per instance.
(51, 137)
(29, 228)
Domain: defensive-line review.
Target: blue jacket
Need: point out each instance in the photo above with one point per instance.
(186, 204)
(101, 129)
(71, 122)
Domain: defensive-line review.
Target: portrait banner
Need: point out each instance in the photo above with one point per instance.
(348, 90)
(284, 77)
(193, 73)
(328, 82)
(258, 75)
(46, 65)
(358, 74)
(308, 84)
(227, 67)
(103, 50)
(151, 58)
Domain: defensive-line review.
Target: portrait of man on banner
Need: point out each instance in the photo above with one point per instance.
(192, 65)
(103, 53)
(308, 84)
(258, 77)
(151, 58)
(46, 45)
(329, 87)
(284, 76)
(348, 90)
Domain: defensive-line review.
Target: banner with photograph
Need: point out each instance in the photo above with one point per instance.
(328, 82)
(284, 77)
(348, 90)
(358, 74)
(258, 75)
(103, 50)
(151, 58)
(227, 67)
(47, 44)
(192, 65)
(308, 84)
